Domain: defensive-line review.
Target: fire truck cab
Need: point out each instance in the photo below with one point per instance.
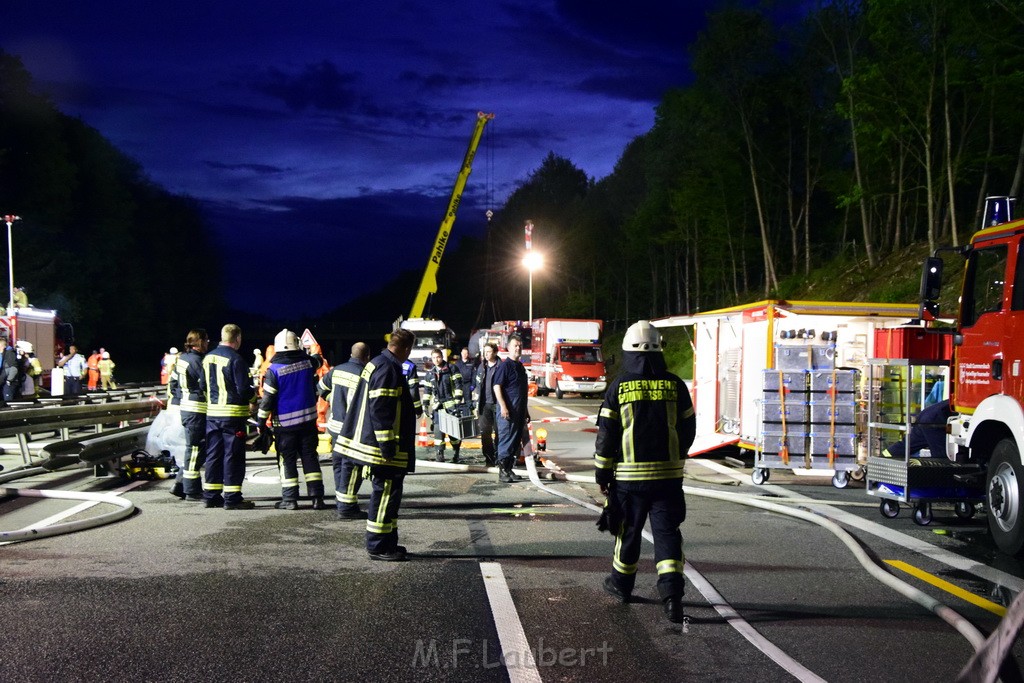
(987, 383)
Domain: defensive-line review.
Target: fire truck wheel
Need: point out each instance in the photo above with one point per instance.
(559, 394)
(1003, 494)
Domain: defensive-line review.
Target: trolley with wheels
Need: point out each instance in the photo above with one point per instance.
(809, 421)
(898, 389)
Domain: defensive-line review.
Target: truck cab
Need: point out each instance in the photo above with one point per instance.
(987, 387)
(567, 357)
(430, 334)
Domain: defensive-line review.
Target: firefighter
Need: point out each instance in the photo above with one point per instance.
(188, 381)
(31, 368)
(646, 425)
(380, 431)
(106, 367)
(444, 392)
(337, 388)
(228, 395)
(289, 399)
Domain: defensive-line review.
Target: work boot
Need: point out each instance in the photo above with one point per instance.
(505, 477)
(612, 589)
(287, 505)
(396, 555)
(455, 457)
(215, 502)
(318, 504)
(673, 608)
(440, 454)
(244, 505)
(178, 490)
(194, 497)
(350, 514)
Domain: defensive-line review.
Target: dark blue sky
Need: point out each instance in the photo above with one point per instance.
(326, 135)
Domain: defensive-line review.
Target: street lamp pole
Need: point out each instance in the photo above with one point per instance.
(9, 219)
(533, 260)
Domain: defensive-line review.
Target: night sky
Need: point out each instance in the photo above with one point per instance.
(323, 138)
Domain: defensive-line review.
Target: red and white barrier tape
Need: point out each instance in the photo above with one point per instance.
(582, 418)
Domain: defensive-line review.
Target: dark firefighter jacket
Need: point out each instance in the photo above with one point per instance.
(228, 389)
(337, 387)
(646, 424)
(289, 391)
(188, 377)
(380, 425)
(443, 385)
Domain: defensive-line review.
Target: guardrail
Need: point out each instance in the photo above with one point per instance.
(24, 423)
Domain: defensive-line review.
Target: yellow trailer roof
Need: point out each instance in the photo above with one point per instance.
(856, 309)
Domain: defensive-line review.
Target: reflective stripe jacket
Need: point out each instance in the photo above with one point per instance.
(646, 424)
(187, 379)
(380, 425)
(289, 391)
(337, 387)
(228, 391)
(443, 387)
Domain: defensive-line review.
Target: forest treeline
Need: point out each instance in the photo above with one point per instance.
(863, 128)
(126, 262)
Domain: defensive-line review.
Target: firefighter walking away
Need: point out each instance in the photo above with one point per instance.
(645, 428)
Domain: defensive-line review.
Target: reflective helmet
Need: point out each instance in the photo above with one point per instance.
(642, 336)
(286, 340)
(173, 351)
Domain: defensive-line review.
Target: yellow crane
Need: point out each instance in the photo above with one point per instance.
(434, 331)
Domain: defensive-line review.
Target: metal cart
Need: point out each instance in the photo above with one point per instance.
(808, 419)
(897, 391)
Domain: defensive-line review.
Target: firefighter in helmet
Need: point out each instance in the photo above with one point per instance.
(289, 397)
(645, 428)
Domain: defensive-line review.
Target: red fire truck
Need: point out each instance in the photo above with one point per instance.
(43, 328)
(987, 379)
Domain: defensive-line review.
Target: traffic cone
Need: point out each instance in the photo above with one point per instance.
(424, 440)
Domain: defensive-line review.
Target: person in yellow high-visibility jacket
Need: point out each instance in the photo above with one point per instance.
(106, 367)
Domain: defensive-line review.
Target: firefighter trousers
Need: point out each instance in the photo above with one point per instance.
(293, 446)
(348, 476)
(663, 502)
(382, 514)
(195, 452)
(225, 459)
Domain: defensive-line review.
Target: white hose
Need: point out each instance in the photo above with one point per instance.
(944, 612)
(125, 508)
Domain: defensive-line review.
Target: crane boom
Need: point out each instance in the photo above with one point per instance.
(428, 285)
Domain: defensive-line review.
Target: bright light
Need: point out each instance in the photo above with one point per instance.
(533, 260)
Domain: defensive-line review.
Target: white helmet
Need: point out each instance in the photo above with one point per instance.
(642, 336)
(24, 346)
(286, 341)
(173, 351)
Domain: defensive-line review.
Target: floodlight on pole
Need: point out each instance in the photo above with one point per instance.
(533, 261)
(9, 219)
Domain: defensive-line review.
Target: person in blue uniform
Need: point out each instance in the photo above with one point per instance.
(511, 387)
(289, 401)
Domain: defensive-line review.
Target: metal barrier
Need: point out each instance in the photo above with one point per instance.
(23, 423)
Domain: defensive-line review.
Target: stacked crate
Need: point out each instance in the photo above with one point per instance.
(809, 409)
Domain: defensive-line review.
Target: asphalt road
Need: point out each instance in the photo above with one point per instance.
(503, 583)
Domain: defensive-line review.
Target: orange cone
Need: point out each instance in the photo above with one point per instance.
(424, 440)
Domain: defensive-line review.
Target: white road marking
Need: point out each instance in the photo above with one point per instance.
(516, 653)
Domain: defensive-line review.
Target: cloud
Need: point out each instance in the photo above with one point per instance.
(318, 86)
(260, 169)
